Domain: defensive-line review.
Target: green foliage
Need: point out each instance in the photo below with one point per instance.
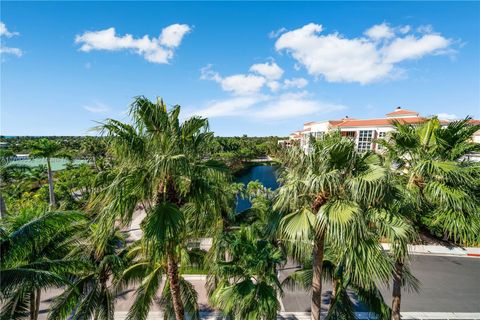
(428, 161)
(248, 286)
(34, 246)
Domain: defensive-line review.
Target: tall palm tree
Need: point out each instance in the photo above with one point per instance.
(48, 149)
(356, 269)
(441, 190)
(323, 196)
(33, 246)
(163, 165)
(92, 293)
(248, 286)
(147, 269)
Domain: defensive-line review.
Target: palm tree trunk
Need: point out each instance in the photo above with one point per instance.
(397, 290)
(172, 271)
(3, 207)
(50, 184)
(37, 303)
(32, 304)
(316, 305)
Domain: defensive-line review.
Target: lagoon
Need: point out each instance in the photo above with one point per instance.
(266, 174)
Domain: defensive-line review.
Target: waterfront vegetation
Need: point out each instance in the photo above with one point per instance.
(71, 229)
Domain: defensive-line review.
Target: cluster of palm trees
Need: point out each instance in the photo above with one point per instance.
(334, 208)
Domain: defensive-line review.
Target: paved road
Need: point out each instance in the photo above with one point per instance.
(448, 284)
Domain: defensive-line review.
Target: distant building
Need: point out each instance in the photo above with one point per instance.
(3, 145)
(363, 131)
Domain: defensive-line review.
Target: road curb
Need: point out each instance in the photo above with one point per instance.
(440, 250)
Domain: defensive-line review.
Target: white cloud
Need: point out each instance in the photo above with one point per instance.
(425, 28)
(97, 107)
(248, 101)
(230, 107)
(242, 84)
(294, 105)
(295, 83)
(273, 85)
(363, 59)
(284, 106)
(269, 70)
(5, 33)
(380, 31)
(447, 116)
(172, 35)
(156, 50)
(7, 50)
(411, 47)
(238, 84)
(405, 29)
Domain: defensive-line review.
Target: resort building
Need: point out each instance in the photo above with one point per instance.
(363, 131)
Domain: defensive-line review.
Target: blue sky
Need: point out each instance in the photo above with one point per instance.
(256, 68)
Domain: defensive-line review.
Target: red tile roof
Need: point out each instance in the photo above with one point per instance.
(378, 122)
(402, 112)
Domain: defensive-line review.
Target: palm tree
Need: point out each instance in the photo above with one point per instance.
(441, 190)
(33, 246)
(48, 149)
(455, 140)
(7, 175)
(352, 269)
(91, 294)
(147, 269)
(164, 166)
(94, 149)
(323, 196)
(248, 286)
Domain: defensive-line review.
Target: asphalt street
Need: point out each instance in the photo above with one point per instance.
(447, 284)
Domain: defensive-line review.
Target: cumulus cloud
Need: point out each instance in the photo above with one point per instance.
(295, 83)
(156, 50)
(5, 33)
(238, 84)
(380, 31)
(412, 47)
(362, 59)
(172, 35)
(249, 100)
(270, 70)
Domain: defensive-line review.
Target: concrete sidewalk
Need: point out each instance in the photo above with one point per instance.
(440, 250)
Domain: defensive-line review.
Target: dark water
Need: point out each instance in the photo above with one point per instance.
(265, 174)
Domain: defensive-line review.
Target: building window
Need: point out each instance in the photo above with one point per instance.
(348, 134)
(365, 138)
(381, 135)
